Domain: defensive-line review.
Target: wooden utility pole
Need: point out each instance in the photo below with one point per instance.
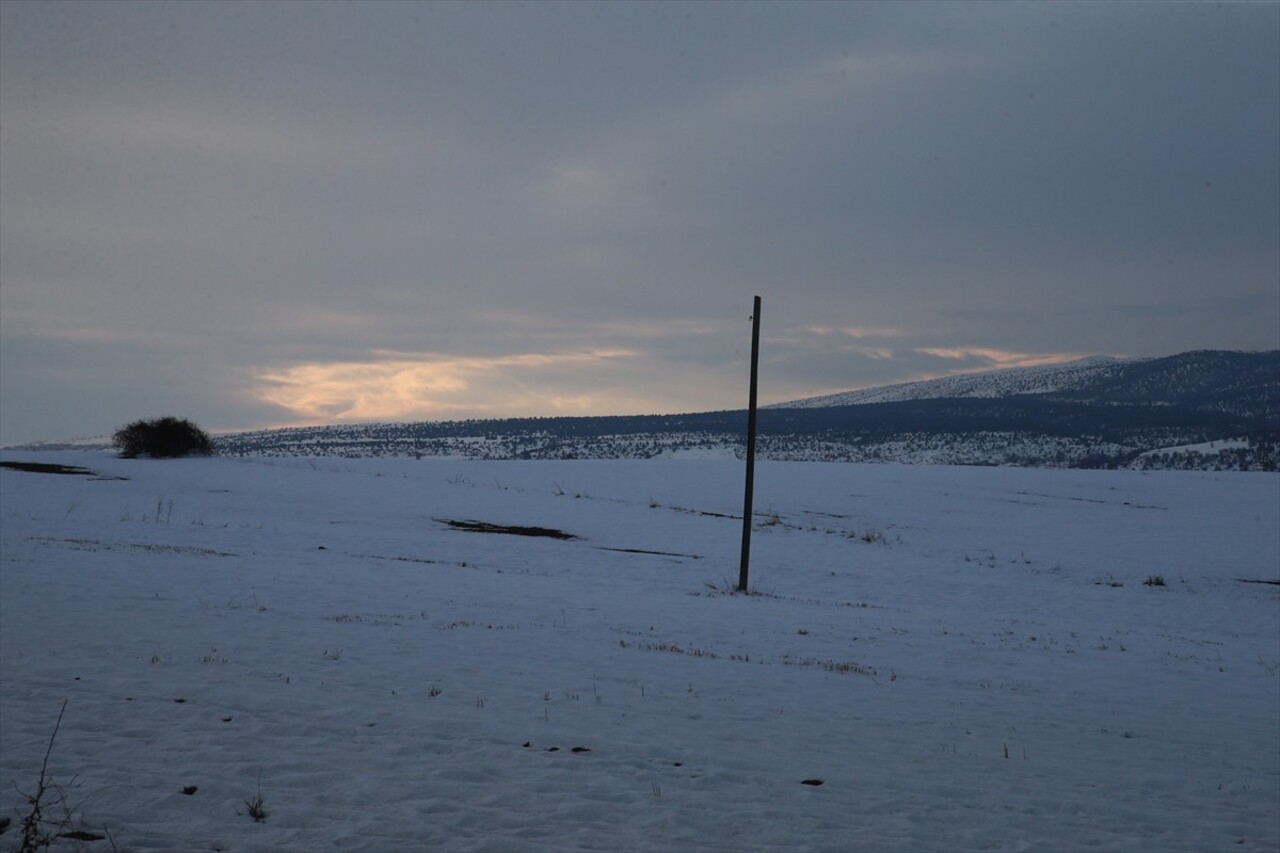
(751, 450)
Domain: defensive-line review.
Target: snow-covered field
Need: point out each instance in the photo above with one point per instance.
(966, 658)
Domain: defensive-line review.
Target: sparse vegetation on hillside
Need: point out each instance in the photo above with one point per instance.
(1195, 411)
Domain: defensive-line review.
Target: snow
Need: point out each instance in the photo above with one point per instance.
(1040, 379)
(1204, 447)
(968, 658)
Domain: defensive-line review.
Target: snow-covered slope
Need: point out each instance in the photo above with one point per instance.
(1242, 383)
(1071, 376)
(1174, 412)
(939, 659)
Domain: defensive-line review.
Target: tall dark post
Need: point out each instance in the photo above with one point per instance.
(751, 450)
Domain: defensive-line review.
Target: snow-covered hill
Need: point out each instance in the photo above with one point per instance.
(1071, 376)
(1209, 410)
(1242, 383)
(1198, 410)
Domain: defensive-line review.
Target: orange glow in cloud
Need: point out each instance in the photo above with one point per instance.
(998, 359)
(400, 387)
(860, 331)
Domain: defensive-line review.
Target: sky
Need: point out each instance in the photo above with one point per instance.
(261, 215)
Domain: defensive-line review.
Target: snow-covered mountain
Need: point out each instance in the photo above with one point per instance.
(1203, 410)
(1242, 383)
(1047, 379)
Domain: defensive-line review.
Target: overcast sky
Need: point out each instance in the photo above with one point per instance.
(268, 214)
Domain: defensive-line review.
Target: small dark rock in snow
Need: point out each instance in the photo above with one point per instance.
(814, 782)
(190, 789)
(580, 749)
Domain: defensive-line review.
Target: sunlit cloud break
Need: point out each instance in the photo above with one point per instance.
(988, 358)
(860, 331)
(399, 386)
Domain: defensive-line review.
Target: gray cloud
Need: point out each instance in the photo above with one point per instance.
(194, 196)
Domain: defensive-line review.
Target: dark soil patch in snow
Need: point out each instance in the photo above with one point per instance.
(655, 553)
(81, 544)
(51, 468)
(511, 529)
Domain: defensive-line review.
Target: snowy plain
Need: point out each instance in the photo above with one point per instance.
(965, 658)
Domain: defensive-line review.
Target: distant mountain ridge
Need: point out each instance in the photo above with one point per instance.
(1205, 410)
(1196, 410)
(1243, 383)
(1044, 379)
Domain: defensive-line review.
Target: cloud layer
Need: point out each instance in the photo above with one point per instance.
(401, 387)
(259, 214)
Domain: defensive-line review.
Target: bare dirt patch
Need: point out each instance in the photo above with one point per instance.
(48, 468)
(655, 553)
(510, 529)
(54, 468)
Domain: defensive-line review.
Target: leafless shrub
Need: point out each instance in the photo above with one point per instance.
(256, 811)
(40, 829)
